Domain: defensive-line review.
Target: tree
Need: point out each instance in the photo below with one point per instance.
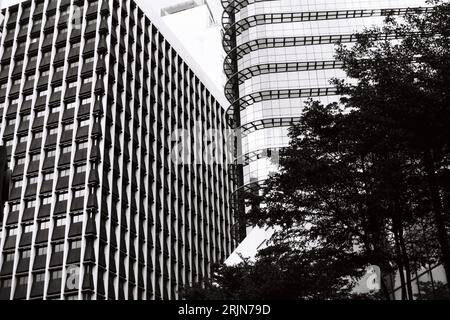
(343, 184)
(405, 83)
(433, 291)
(281, 273)
(364, 181)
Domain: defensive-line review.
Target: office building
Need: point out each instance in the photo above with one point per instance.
(280, 53)
(96, 97)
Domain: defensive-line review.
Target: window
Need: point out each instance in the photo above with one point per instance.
(31, 77)
(9, 256)
(34, 40)
(55, 109)
(43, 93)
(79, 193)
(12, 231)
(36, 157)
(4, 85)
(57, 274)
(60, 222)
(93, 4)
(74, 64)
(26, 117)
(58, 247)
(63, 31)
(72, 84)
(89, 60)
(37, 135)
(5, 283)
(11, 122)
(40, 113)
(45, 73)
(33, 180)
(22, 280)
(64, 173)
(17, 184)
(75, 45)
(63, 196)
(60, 69)
(42, 250)
(77, 218)
(84, 123)
(47, 54)
(68, 126)
(30, 204)
(87, 80)
(29, 228)
(37, 22)
(82, 145)
(71, 105)
(28, 97)
(19, 62)
(20, 160)
(16, 82)
(46, 200)
(15, 101)
(50, 153)
(60, 50)
(9, 143)
(39, 277)
(67, 149)
(33, 58)
(75, 244)
(48, 176)
(86, 101)
(91, 22)
(57, 89)
(65, 12)
(15, 206)
(90, 40)
(44, 225)
(53, 131)
(81, 169)
(26, 253)
(23, 139)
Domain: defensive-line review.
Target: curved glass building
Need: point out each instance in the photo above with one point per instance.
(279, 54)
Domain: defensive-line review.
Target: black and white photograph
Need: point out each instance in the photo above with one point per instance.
(221, 157)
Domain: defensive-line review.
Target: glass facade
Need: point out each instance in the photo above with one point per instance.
(280, 53)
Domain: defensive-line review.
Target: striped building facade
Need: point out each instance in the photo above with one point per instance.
(94, 99)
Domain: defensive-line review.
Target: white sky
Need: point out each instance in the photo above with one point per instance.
(214, 4)
(201, 39)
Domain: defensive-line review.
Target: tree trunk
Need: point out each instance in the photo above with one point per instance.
(387, 281)
(384, 287)
(406, 264)
(438, 214)
(400, 265)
